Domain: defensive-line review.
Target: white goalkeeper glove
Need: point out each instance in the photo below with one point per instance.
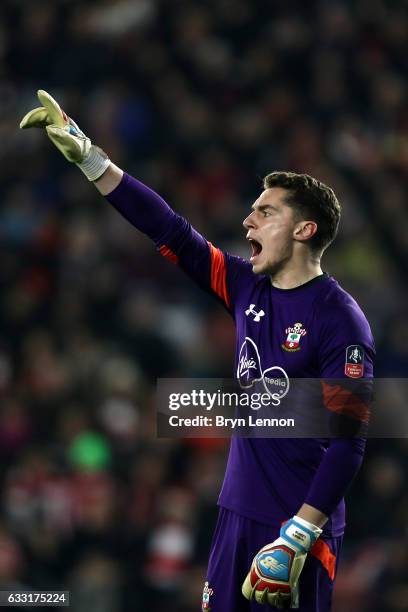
(67, 137)
(274, 574)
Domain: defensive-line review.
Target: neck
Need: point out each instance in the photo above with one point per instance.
(292, 275)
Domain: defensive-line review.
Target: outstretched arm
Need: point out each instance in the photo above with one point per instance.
(212, 269)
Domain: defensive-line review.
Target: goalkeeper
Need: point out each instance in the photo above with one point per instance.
(281, 518)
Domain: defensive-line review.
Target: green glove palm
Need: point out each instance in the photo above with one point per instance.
(66, 136)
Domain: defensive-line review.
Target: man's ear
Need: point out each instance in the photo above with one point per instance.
(305, 230)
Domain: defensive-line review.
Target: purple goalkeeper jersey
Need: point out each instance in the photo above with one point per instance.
(309, 332)
(316, 330)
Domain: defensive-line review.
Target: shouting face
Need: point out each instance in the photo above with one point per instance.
(272, 231)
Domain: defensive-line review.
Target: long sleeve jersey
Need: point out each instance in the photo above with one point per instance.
(316, 330)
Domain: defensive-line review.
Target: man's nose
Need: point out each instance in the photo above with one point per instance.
(249, 222)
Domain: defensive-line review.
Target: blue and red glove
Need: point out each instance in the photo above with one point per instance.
(275, 570)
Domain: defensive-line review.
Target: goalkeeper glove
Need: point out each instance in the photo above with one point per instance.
(274, 574)
(66, 136)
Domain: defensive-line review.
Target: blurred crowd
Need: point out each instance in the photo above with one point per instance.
(199, 100)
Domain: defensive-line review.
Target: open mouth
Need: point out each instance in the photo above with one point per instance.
(256, 248)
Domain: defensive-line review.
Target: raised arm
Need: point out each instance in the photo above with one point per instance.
(212, 269)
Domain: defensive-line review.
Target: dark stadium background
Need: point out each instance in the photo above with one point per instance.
(199, 100)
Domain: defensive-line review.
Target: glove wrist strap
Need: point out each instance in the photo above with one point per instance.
(316, 530)
(95, 163)
(300, 533)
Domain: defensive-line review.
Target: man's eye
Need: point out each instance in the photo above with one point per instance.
(266, 213)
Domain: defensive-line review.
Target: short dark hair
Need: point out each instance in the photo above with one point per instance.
(311, 200)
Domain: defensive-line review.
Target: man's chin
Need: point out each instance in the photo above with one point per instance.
(258, 268)
(264, 267)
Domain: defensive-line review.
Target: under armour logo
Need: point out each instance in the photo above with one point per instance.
(257, 315)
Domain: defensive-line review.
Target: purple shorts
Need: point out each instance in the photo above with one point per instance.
(235, 543)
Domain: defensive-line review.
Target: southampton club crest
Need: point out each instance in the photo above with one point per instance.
(207, 592)
(293, 337)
